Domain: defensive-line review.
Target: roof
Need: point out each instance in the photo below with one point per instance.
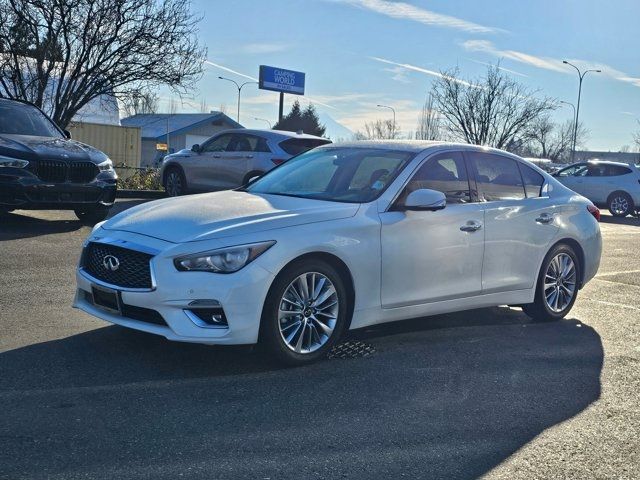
(406, 145)
(156, 125)
(282, 133)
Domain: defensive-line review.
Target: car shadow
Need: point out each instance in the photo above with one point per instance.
(634, 221)
(20, 224)
(450, 396)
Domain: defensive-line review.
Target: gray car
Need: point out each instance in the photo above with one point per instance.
(231, 158)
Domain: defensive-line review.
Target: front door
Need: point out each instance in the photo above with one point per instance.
(432, 256)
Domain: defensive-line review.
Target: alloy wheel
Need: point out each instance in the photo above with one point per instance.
(560, 282)
(619, 205)
(308, 312)
(174, 184)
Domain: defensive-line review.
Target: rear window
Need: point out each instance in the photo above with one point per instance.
(296, 146)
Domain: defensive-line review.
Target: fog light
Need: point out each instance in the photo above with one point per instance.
(207, 316)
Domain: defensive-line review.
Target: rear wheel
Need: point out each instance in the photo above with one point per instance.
(92, 215)
(620, 204)
(557, 287)
(174, 182)
(305, 312)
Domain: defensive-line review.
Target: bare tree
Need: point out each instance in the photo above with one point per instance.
(204, 108)
(547, 139)
(428, 122)
(62, 54)
(143, 102)
(636, 137)
(492, 111)
(378, 130)
(172, 107)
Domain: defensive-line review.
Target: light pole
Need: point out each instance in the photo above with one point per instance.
(575, 126)
(394, 116)
(239, 87)
(263, 120)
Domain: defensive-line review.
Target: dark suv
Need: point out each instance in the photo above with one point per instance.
(42, 168)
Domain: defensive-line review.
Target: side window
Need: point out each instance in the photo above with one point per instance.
(616, 170)
(218, 144)
(575, 170)
(445, 173)
(533, 181)
(498, 177)
(596, 170)
(262, 146)
(247, 143)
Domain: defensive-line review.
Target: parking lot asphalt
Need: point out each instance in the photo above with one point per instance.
(478, 393)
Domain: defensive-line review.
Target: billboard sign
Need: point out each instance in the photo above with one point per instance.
(281, 80)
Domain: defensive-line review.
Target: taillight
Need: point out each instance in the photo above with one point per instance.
(278, 161)
(595, 211)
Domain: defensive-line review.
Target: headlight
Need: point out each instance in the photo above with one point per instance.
(12, 162)
(224, 260)
(106, 166)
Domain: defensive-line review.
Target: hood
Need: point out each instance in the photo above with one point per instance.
(30, 147)
(223, 214)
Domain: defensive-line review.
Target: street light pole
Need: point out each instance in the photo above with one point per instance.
(575, 126)
(394, 116)
(572, 106)
(239, 87)
(263, 120)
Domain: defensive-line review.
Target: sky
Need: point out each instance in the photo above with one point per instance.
(360, 53)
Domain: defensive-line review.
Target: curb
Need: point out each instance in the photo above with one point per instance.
(140, 193)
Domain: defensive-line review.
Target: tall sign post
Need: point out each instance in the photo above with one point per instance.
(281, 80)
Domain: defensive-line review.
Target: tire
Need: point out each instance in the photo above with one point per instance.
(92, 215)
(175, 183)
(308, 335)
(249, 176)
(565, 285)
(620, 204)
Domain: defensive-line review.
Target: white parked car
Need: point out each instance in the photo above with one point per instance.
(342, 237)
(231, 158)
(613, 185)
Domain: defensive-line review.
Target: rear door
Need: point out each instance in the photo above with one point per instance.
(573, 177)
(603, 179)
(519, 220)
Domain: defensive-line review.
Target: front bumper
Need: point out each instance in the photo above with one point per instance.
(241, 295)
(28, 192)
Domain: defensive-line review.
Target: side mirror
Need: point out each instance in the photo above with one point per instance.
(67, 134)
(425, 199)
(195, 148)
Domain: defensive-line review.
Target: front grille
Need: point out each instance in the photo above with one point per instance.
(55, 171)
(134, 270)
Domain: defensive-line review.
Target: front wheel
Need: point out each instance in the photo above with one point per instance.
(305, 312)
(557, 287)
(620, 204)
(174, 182)
(92, 215)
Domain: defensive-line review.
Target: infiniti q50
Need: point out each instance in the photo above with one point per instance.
(342, 237)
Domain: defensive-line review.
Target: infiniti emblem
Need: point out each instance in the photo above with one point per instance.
(111, 263)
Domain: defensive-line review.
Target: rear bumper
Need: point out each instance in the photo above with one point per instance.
(30, 193)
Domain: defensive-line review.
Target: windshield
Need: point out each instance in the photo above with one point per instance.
(22, 119)
(355, 175)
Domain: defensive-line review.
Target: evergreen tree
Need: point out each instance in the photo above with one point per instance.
(298, 119)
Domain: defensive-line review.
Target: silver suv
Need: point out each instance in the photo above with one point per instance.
(231, 158)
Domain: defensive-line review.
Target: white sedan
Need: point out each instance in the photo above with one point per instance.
(339, 238)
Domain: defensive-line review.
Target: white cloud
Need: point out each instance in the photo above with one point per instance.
(406, 11)
(262, 48)
(408, 66)
(549, 63)
(499, 67)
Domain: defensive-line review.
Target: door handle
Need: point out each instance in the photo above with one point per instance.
(545, 218)
(471, 226)
(248, 156)
(217, 156)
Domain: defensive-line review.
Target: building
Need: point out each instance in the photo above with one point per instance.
(164, 133)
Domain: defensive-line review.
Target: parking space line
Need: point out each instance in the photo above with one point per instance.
(616, 273)
(612, 304)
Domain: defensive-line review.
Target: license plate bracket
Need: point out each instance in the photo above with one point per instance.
(107, 299)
